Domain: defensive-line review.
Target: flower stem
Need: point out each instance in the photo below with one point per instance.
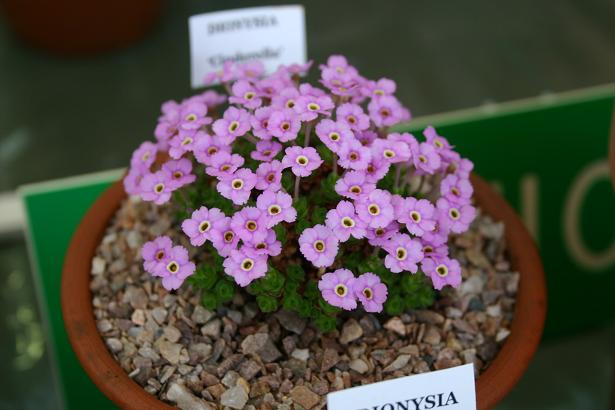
(308, 132)
(397, 175)
(251, 138)
(335, 163)
(296, 193)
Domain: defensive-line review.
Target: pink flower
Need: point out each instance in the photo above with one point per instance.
(223, 238)
(371, 292)
(226, 74)
(375, 208)
(318, 245)
(155, 253)
(425, 158)
(308, 107)
(380, 88)
(250, 70)
(353, 155)
(380, 236)
(179, 173)
(418, 215)
(156, 187)
(269, 176)
(354, 184)
(386, 111)
(182, 142)
(245, 94)
(270, 86)
(132, 181)
(433, 251)
(287, 98)
(457, 218)
(376, 170)
(224, 164)
(234, 123)
(343, 221)
(144, 156)
(333, 134)
(244, 266)
(178, 268)
(301, 161)
(390, 151)
(404, 253)
(461, 167)
(200, 225)
(260, 122)
(442, 146)
(337, 289)
(353, 115)
(442, 271)
(206, 146)
(266, 150)
(268, 246)
(366, 137)
(277, 206)
(284, 124)
(456, 190)
(211, 98)
(250, 224)
(193, 116)
(238, 186)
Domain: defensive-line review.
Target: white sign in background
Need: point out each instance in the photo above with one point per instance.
(441, 390)
(275, 35)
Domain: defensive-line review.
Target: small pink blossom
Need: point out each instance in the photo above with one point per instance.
(235, 123)
(224, 164)
(337, 288)
(404, 253)
(245, 266)
(319, 245)
(343, 221)
(353, 155)
(309, 107)
(184, 141)
(238, 186)
(457, 218)
(269, 176)
(250, 224)
(353, 184)
(456, 190)
(245, 94)
(156, 187)
(178, 268)
(301, 161)
(200, 225)
(371, 292)
(375, 208)
(419, 215)
(179, 173)
(144, 156)
(266, 150)
(155, 254)
(353, 115)
(442, 271)
(277, 207)
(206, 146)
(284, 124)
(333, 134)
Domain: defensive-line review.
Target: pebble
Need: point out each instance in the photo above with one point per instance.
(291, 321)
(201, 315)
(159, 314)
(261, 344)
(399, 363)
(212, 329)
(138, 317)
(185, 400)
(304, 397)
(169, 350)
(351, 331)
(114, 344)
(396, 325)
(329, 359)
(359, 366)
(235, 398)
(98, 266)
(432, 336)
(301, 354)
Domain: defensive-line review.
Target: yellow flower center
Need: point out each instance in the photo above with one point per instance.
(173, 267)
(373, 209)
(415, 216)
(355, 189)
(348, 222)
(187, 141)
(367, 292)
(228, 236)
(204, 226)
(159, 187)
(247, 264)
(341, 290)
(233, 126)
(454, 213)
(251, 226)
(313, 107)
(401, 254)
(237, 183)
(389, 153)
(302, 160)
(442, 270)
(249, 95)
(274, 209)
(319, 246)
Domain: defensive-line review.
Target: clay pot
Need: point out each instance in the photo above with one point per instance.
(503, 373)
(78, 26)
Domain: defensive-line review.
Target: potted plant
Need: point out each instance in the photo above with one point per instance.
(280, 242)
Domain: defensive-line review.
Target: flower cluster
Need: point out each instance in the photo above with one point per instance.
(259, 189)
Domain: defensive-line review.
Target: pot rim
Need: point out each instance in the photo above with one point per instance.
(492, 386)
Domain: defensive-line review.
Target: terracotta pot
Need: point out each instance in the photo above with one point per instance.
(503, 373)
(78, 26)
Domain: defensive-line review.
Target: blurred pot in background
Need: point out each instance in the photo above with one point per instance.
(78, 26)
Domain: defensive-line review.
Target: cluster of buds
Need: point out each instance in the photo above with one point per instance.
(392, 195)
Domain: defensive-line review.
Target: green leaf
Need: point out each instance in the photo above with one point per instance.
(224, 290)
(295, 272)
(280, 233)
(318, 215)
(311, 290)
(267, 304)
(292, 301)
(325, 323)
(273, 281)
(394, 305)
(209, 300)
(301, 206)
(302, 225)
(327, 308)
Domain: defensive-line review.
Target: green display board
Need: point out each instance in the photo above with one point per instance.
(54, 210)
(546, 155)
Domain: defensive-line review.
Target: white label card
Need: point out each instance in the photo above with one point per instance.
(438, 390)
(275, 35)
